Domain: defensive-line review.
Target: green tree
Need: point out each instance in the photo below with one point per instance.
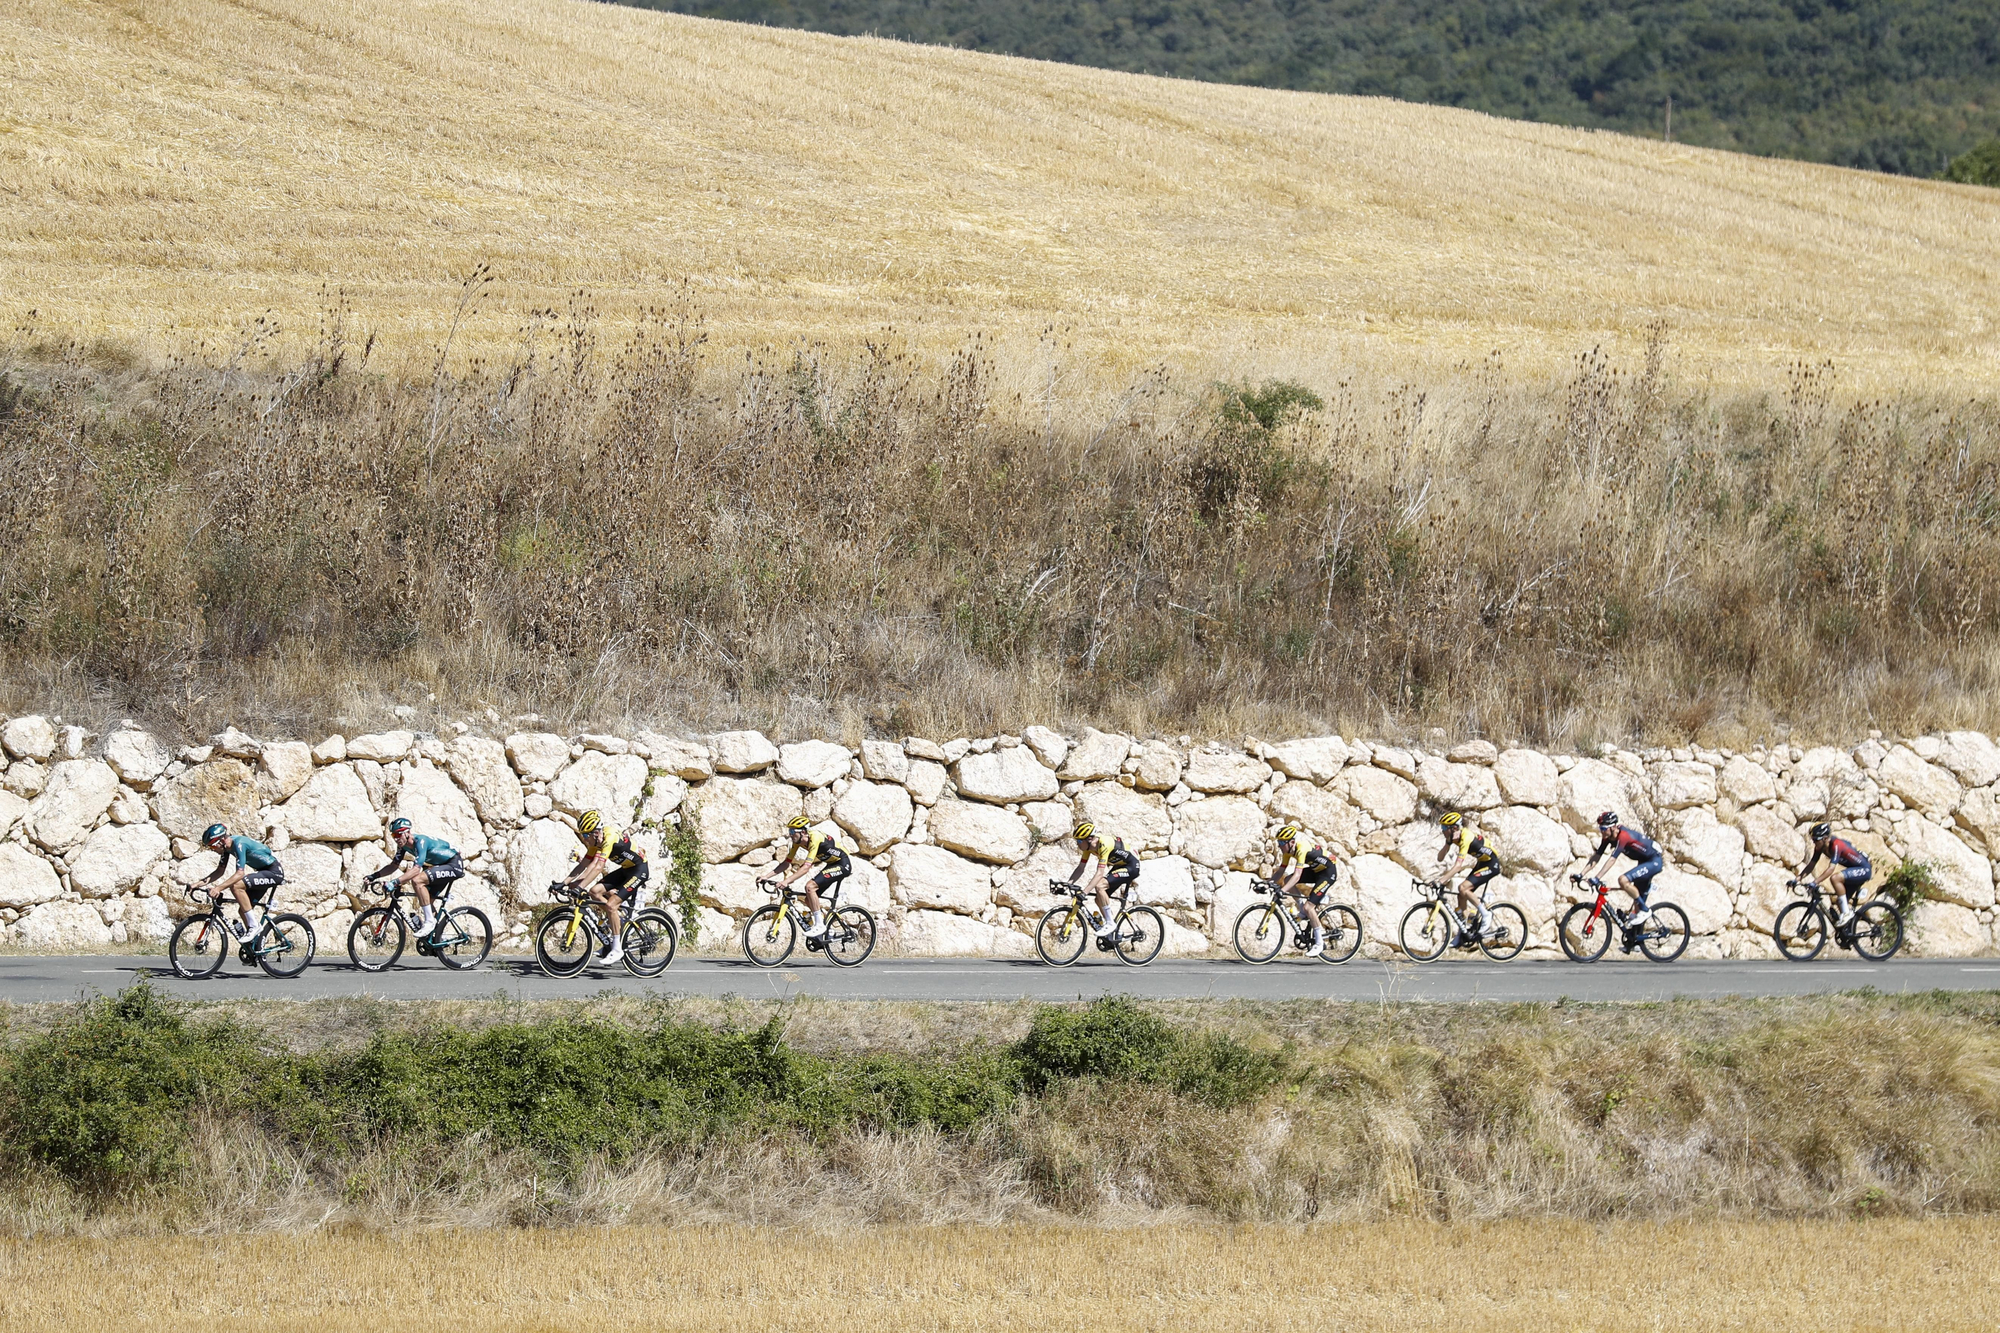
(1981, 166)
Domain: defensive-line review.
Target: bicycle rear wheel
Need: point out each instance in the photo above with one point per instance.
(198, 946)
(850, 936)
(1800, 931)
(1061, 935)
(1878, 931)
(1427, 930)
(563, 943)
(769, 936)
(650, 940)
(1141, 932)
(1260, 932)
(1665, 938)
(1342, 925)
(1512, 924)
(1584, 936)
(375, 940)
(288, 946)
(464, 940)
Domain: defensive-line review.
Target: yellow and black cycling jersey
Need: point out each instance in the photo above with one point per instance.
(1313, 861)
(602, 842)
(817, 847)
(1110, 853)
(1474, 845)
(623, 853)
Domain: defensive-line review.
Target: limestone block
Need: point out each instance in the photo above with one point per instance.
(1676, 786)
(1166, 881)
(1225, 771)
(1972, 758)
(1963, 875)
(283, 768)
(1321, 813)
(1181, 942)
(1527, 777)
(379, 782)
(147, 921)
(1769, 836)
(1591, 787)
(24, 877)
(737, 814)
(1050, 821)
(57, 926)
(813, 764)
(926, 781)
(313, 881)
(1051, 747)
(1220, 831)
(1978, 813)
(732, 889)
(115, 857)
(1382, 893)
(1025, 887)
(30, 737)
(1232, 894)
(538, 755)
(1923, 786)
(333, 806)
(1140, 818)
(884, 761)
(435, 806)
(607, 783)
(1748, 944)
(686, 760)
(1698, 840)
(982, 831)
(1313, 759)
(916, 747)
(1389, 799)
(931, 934)
(1765, 894)
(385, 747)
(741, 751)
(867, 887)
(12, 808)
(1459, 786)
(79, 791)
(1159, 767)
(1707, 903)
(332, 750)
(537, 856)
(1004, 776)
(1746, 782)
(136, 756)
(25, 778)
(1535, 895)
(1098, 755)
(1937, 930)
(1396, 759)
(931, 877)
(1527, 839)
(877, 814)
(1415, 846)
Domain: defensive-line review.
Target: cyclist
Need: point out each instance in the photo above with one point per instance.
(1307, 872)
(591, 875)
(434, 864)
(1116, 868)
(810, 849)
(1615, 840)
(255, 878)
(1472, 850)
(1847, 859)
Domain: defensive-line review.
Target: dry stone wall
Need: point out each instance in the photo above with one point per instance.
(954, 840)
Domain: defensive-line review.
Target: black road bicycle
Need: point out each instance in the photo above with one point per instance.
(1433, 926)
(577, 930)
(774, 930)
(1587, 928)
(461, 938)
(1262, 928)
(283, 945)
(1136, 934)
(1875, 931)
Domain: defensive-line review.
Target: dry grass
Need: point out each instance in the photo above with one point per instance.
(176, 168)
(1883, 1274)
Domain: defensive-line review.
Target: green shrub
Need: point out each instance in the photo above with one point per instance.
(1115, 1039)
(1980, 166)
(1909, 884)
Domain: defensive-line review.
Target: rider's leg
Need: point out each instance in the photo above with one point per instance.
(1309, 904)
(242, 903)
(419, 885)
(1100, 886)
(812, 901)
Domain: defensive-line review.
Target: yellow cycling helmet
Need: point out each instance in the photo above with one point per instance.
(1450, 818)
(1084, 830)
(590, 823)
(798, 823)
(1289, 833)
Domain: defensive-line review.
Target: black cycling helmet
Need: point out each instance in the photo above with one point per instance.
(213, 834)
(1821, 832)
(398, 827)
(1607, 819)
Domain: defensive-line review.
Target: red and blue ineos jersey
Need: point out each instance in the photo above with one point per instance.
(1635, 845)
(1844, 854)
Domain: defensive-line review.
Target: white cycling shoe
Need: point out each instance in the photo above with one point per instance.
(1316, 948)
(617, 955)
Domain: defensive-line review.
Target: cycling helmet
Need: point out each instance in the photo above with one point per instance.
(1607, 819)
(1450, 818)
(213, 834)
(1821, 832)
(590, 823)
(1289, 833)
(398, 827)
(798, 823)
(1084, 830)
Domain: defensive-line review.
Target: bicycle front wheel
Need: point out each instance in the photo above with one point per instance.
(563, 943)
(1259, 934)
(650, 940)
(1585, 933)
(288, 946)
(464, 940)
(1141, 932)
(1061, 935)
(1511, 926)
(850, 936)
(375, 940)
(769, 936)
(1342, 925)
(198, 947)
(1800, 931)
(1426, 931)
(1878, 931)
(1666, 935)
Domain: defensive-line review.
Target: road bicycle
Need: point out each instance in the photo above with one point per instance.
(1586, 928)
(1136, 935)
(1433, 926)
(1262, 928)
(283, 944)
(460, 939)
(773, 930)
(577, 929)
(1875, 931)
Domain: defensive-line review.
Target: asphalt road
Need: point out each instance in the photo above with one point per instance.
(29, 979)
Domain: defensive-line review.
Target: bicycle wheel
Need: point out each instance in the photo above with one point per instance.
(1878, 931)
(563, 944)
(1666, 936)
(464, 940)
(1800, 931)
(375, 940)
(1583, 938)
(1513, 937)
(850, 936)
(1141, 932)
(1061, 935)
(1426, 931)
(1342, 925)
(769, 936)
(650, 941)
(1259, 934)
(288, 946)
(198, 947)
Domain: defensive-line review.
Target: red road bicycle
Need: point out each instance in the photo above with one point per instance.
(1587, 928)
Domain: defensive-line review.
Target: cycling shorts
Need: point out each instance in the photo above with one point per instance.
(439, 876)
(1855, 876)
(627, 879)
(259, 883)
(1639, 876)
(1120, 874)
(832, 875)
(1481, 876)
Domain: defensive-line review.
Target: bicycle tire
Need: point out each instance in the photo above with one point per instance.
(1063, 944)
(1888, 926)
(1342, 925)
(850, 936)
(1513, 923)
(468, 953)
(1582, 939)
(650, 941)
(376, 939)
(1435, 926)
(198, 947)
(1662, 941)
(767, 927)
(1266, 939)
(287, 947)
(563, 944)
(1800, 930)
(1137, 942)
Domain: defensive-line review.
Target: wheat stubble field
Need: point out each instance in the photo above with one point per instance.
(176, 168)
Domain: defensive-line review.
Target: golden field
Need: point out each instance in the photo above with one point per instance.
(1766, 1276)
(175, 168)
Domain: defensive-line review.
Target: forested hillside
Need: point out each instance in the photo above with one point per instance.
(1893, 85)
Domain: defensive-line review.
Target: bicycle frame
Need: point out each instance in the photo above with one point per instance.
(218, 908)
(1288, 904)
(392, 897)
(1062, 888)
